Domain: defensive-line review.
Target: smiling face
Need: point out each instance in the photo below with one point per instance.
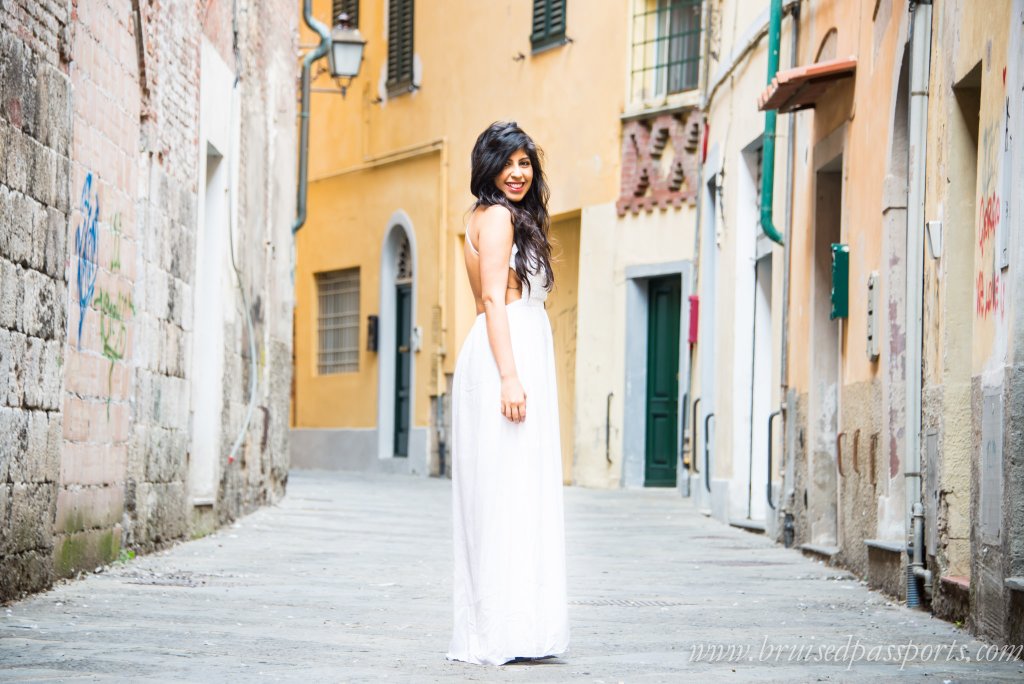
(515, 179)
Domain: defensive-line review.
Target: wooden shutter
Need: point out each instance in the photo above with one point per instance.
(540, 20)
(548, 26)
(400, 45)
(556, 18)
(349, 7)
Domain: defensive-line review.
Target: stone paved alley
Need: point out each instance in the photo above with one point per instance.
(348, 580)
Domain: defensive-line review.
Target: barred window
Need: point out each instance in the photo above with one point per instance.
(338, 321)
(666, 47)
(400, 46)
(349, 7)
(548, 23)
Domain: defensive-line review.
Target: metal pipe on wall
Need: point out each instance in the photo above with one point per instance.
(788, 474)
(307, 62)
(920, 58)
(770, 120)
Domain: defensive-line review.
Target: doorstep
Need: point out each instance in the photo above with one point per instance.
(756, 526)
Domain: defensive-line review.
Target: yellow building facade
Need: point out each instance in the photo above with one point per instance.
(382, 300)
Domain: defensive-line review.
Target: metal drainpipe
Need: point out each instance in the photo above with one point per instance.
(768, 160)
(307, 63)
(920, 57)
(698, 228)
(787, 258)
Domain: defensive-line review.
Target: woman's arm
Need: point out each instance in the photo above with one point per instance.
(494, 238)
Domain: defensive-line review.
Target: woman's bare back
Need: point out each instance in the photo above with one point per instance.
(496, 217)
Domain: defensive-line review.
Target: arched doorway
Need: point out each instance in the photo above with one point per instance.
(396, 343)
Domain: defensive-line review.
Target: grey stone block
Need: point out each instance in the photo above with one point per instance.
(12, 352)
(18, 97)
(51, 375)
(54, 245)
(35, 460)
(32, 362)
(11, 294)
(16, 163)
(5, 151)
(165, 512)
(53, 117)
(26, 572)
(42, 179)
(5, 512)
(38, 316)
(14, 445)
(16, 227)
(62, 186)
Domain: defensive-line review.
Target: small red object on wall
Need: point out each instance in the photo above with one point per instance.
(694, 317)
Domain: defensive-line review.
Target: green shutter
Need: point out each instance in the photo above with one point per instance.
(548, 26)
(400, 46)
(349, 7)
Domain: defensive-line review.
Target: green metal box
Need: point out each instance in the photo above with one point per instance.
(840, 281)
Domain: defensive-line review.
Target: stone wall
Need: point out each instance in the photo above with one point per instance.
(35, 133)
(99, 199)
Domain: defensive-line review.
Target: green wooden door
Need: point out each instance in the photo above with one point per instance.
(662, 381)
(403, 369)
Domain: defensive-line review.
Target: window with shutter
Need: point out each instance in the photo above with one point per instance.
(400, 46)
(548, 24)
(349, 7)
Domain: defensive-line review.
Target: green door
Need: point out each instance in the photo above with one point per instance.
(403, 368)
(662, 381)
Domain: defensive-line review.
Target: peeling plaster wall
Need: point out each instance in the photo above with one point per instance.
(972, 391)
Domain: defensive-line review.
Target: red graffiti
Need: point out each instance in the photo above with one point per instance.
(988, 289)
(989, 295)
(989, 220)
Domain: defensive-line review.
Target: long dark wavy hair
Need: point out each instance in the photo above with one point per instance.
(530, 221)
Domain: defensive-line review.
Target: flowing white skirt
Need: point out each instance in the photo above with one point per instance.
(508, 528)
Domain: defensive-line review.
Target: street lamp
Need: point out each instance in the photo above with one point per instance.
(344, 48)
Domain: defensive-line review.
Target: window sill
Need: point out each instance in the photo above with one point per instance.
(401, 88)
(689, 99)
(548, 44)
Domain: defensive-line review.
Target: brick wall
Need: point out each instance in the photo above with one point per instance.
(99, 191)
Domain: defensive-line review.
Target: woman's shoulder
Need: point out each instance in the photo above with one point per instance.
(494, 213)
(492, 219)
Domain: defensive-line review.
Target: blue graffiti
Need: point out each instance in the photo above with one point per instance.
(85, 246)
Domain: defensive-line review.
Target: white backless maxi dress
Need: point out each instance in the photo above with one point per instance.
(508, 529)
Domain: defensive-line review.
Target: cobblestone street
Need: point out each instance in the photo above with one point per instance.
(348, 580)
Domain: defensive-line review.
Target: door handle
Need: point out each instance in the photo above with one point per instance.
(404, 349)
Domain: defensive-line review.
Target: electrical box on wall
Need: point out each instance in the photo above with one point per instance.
(840, 281)
(371, 333)
(873, 316)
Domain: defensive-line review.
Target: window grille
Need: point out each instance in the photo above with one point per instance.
(548, 23)
(666, 47)
(400, 46)
(338, 321)
(349, 7)
(403, 264)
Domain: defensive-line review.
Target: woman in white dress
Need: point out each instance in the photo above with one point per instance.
(510, 585)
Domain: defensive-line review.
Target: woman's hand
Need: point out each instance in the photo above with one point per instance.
(513, 399)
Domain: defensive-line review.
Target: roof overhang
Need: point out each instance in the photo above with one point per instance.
(800, 88)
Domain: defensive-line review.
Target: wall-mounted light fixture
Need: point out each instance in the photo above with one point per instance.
(343, 47)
